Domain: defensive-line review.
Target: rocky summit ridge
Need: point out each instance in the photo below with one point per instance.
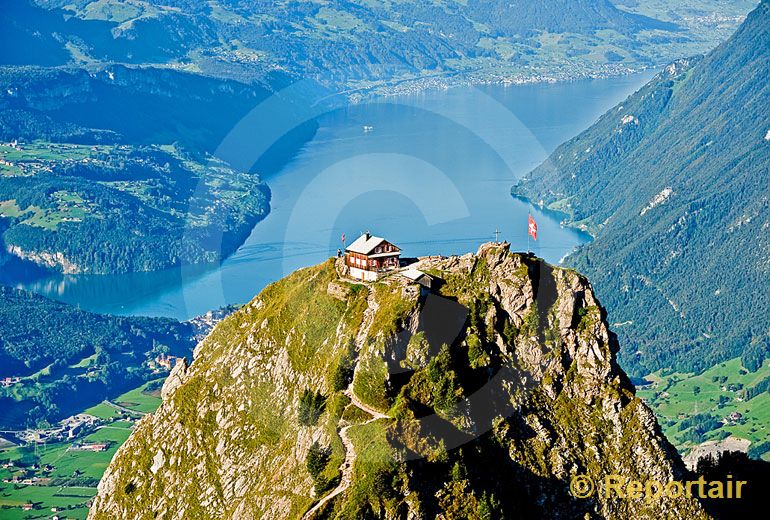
(481, 397)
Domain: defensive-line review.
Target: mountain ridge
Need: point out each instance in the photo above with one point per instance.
(670, 184)
(357, 43)
(252, 426)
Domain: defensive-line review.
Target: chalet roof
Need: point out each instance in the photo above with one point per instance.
(365, 244)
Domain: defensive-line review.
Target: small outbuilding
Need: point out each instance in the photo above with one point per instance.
(417, 276)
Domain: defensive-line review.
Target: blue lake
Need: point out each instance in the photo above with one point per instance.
(431, 172)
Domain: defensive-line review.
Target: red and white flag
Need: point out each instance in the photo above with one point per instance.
(532, 228)
(343, 238)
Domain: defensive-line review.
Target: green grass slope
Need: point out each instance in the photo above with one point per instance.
(694, 408)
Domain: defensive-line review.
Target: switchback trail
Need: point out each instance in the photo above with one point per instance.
(350, 454)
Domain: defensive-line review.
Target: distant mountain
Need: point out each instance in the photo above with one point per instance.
(325, 398)
(42, 33)
(111, 169)
(559, 16)
(120, 104)
(358, 43)
(673, 185)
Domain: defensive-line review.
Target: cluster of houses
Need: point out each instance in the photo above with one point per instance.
(25, 477)
(30, 481)
(163, 363)
(79, 424)
(14, 145)
(9, 381)
(69, 428)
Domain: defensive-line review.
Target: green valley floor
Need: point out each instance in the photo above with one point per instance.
(39, 481)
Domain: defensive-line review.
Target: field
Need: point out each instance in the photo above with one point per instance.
(67, 478)
(103, 411)
(72, 481)
(70, 502)
(141, 399)
(718, 395)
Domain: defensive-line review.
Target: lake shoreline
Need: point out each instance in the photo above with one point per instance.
(378, 166)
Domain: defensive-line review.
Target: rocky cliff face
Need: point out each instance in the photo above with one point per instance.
(44, 258)
(325, 398)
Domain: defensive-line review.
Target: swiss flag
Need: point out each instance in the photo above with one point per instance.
(343, 238)
(532, 228)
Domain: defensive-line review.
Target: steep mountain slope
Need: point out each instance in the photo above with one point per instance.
(479, 400)
(358, 43)
(673, 185)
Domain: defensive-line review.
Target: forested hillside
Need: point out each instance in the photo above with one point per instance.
(110, 170)
(673, 185)
(67, 357)
(106, 209)
(119, 104)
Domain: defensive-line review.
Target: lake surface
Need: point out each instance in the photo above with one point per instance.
(431, 172)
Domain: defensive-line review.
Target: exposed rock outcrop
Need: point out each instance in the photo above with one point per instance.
(53, 260)
(482, 398)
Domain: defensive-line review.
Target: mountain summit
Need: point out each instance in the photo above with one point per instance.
(481, 397)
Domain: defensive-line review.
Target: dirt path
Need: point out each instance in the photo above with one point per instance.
(350, 454)
(368, 319)
(371, 411)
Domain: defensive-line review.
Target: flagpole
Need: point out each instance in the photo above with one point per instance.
(528, 216)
